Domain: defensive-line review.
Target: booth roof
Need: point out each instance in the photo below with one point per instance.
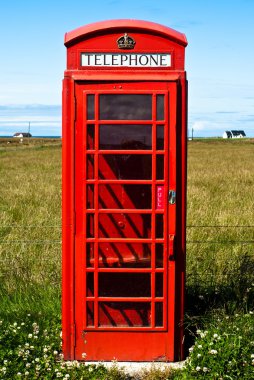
(111, 25)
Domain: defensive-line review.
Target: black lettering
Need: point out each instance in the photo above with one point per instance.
(105, 60)
(97, 59)
(88, 59)
(144, 63)
(114, 60)
(163, 58)
(154, 59)
(123, 58)
(133, 57)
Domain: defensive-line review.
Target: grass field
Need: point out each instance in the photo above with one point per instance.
(220, 234)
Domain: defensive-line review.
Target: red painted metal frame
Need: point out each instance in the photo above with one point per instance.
(96, 211)
(170, 340)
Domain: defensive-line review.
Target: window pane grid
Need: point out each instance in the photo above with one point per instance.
(96, 149)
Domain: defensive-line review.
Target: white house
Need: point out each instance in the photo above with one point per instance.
(22, 134)
(233, 134)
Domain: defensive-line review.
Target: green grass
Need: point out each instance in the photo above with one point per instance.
(220, 254)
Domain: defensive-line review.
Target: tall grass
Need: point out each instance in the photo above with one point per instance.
(30, 227)
(220, 240)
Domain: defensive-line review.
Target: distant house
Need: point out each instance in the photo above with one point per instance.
(22, 134)
(233, 134)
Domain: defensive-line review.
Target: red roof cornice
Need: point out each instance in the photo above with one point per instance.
(112, 25)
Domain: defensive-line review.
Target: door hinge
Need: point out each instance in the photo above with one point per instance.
(171, 250)
(75, 108)
(74, 334)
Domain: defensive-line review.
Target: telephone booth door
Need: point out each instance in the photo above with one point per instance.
(125, 158)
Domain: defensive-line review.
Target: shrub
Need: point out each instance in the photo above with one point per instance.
(225, 350)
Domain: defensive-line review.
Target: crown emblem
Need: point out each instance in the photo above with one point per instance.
(126, 42)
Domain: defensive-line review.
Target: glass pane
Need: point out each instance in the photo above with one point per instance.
(90, 255)
(125, 226)
(125, 166)
(159, 285)
(90, 107)
(160, 107)
(90, 167)
(90, 225)
(90, 197)
(124, 314)
(125, 107)
(159, 166)
(90, 136)
(160, 137)
(89, 284)
(125, 255)
(125, 196)
(90, 313)
(159, 314)
(159, 226)
(123, 136)
(124, 285)
(159, 255)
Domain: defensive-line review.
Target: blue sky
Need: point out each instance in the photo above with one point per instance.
(219, 58)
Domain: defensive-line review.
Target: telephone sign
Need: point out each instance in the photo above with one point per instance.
(124, 191)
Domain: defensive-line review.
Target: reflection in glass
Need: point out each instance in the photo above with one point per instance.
(89, 255)
(124, 285)
(125, 107)
(90, 197)
(159, 226)
(90, 313)
(90, 136)
(124, 314)
(160, 107)
(159, 285)
(90, 166)
(89, 284)
(160, 137)
(125, 166)
(125, 226)
(158, 314)
(159, 166)
(89, 225)
(116, 196)
(124, 255)
(90, 107)
(122, 136)
(159, 255)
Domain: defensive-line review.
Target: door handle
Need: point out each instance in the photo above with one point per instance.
(172, 197)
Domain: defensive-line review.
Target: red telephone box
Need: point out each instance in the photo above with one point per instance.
(124, 191)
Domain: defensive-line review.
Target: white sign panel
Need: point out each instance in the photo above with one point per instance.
(125, 60)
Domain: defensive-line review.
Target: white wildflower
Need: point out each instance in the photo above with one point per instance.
(215, 335)
(55, 352)
(213, 352)
(199, 355)
(200, 346)
(252, 356)
(198, 368)
(83, 355)
(30, 336)
(205, 369)
(191, 349)
(26, 373)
